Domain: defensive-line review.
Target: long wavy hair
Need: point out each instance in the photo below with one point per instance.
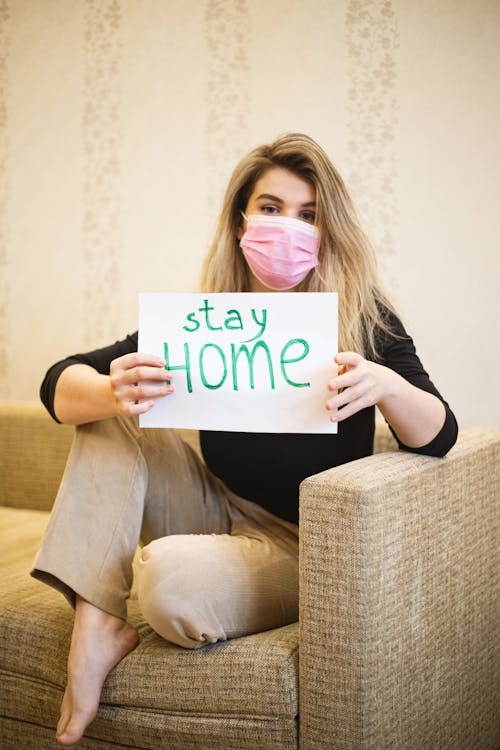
(347, 262)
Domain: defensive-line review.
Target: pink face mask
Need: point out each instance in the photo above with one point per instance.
(279, 250)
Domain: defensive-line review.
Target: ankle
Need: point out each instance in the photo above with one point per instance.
(93, 614)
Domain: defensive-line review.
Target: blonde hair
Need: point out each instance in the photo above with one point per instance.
(347, 262)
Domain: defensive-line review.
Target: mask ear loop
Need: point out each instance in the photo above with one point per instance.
(317, 271)
(241, 228)
(320, 275)
(322, 278)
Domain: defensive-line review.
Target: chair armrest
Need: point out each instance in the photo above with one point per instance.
(399, 600)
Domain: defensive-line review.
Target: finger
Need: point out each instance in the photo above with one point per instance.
(144, 392)
(346, 380)
(347, 411)
(134, 409)
(142, 374)
(347, 395)
(136, 359)
(350, 359)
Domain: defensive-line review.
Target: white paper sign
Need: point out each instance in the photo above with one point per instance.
(245, 362)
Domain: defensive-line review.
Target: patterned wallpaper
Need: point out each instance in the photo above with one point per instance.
(375, 97)
(226, 22)
(101, 125)
(372, 37)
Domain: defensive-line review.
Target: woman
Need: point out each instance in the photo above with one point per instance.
(221, 537)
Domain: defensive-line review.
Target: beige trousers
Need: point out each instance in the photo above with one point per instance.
(214, 566)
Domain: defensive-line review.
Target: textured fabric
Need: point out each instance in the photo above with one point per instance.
(33, 453)
(195, 589)
(134, 729)
(384, 439)
(400, 601)
(242, 693)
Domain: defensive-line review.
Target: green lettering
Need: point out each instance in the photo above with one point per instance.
(186, 366)
(235, 316)
(205, 309)
(286, 361)
(261, 323)
(250, 360)
(193, 319)
(212, 386)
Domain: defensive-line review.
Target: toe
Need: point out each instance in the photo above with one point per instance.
(65, 714)
(74, 729)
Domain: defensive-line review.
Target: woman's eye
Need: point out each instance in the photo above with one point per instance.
(307, 216)
(270, 210)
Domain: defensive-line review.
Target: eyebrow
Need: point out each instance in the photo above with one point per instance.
(270, 197)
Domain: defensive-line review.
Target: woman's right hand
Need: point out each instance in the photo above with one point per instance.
(136, 380)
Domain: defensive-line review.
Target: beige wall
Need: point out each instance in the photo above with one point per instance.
(121, 119)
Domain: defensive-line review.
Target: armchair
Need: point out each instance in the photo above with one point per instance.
(399, 617)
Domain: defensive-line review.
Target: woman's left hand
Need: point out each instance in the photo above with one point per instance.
(360, 384)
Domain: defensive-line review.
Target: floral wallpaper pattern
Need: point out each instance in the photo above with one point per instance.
(226, 22)
(372, 38)
(102, 168)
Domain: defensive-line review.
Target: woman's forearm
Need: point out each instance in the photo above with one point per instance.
(134, 383)
(83, 395)
(416, 416)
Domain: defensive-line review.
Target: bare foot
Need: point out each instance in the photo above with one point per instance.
(98, 643)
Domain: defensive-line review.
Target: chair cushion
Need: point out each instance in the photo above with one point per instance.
(241, 693)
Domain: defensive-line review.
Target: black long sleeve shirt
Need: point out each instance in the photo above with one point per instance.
(268, 468)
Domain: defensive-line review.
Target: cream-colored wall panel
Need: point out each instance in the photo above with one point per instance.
(297, 59)
(44, 175)
(447, 260)
(164, 203)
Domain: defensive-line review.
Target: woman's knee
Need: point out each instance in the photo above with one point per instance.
(173, 590)
(202, 588)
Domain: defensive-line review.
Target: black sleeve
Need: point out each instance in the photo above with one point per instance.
(99, 359)
(398, 353)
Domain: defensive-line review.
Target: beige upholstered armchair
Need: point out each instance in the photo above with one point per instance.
(398, 641)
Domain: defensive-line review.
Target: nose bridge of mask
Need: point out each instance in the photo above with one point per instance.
(285, 222)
